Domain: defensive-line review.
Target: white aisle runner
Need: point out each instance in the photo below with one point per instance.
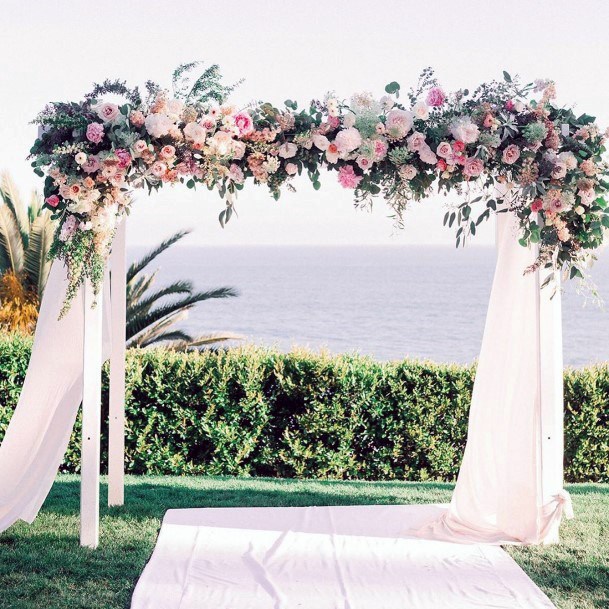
(324, 558)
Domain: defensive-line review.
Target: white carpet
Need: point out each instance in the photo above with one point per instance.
(324, 558)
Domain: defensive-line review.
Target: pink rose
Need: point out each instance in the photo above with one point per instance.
(408, 172)
(95, 132)
(238, 150)
(416, 141)
(124, 158)
(92, 164)
(435, 97)
(236, 173)
(137, 118)
(291, 169)
(489, 120)
(511, 154)
(140, 146)
(159, 169)
(107, 112)
(347, 177)
(244, 123)
(444, 150)
(167, 152)
(536, 205)
(473, 167)
(52, 201)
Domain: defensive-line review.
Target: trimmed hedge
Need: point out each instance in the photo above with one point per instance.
(253, 411)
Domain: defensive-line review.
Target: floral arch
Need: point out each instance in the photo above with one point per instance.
(94, 153)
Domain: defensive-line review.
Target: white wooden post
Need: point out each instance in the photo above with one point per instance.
(91, 418)
(551, 389)
(116, 432)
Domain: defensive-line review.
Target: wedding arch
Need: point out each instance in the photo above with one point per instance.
(504, 148)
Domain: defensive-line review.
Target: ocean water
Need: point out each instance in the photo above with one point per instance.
(389, 302)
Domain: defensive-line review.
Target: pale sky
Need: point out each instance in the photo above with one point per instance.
(55, 50)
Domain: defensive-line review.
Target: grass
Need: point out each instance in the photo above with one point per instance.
(42, 565)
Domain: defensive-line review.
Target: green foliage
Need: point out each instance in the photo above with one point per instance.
(257, 412)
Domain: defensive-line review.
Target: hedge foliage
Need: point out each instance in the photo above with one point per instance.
(253, 411)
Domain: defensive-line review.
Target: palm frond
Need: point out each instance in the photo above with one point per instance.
(148, 334)
(35, 207)
(11, 242)
(138, 286)
(12, 199)
(201, 341)
(141, 264)
(143, 305)
(36, 262)
(137, 323)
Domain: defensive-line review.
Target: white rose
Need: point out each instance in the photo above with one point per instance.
(80, 158)
(158, 125)
(288, 150)
(195, 133)
(321, 141)
(421, 110)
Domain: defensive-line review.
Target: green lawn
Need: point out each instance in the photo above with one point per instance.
(42, 566)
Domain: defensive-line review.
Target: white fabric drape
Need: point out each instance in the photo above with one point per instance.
(498, 496)
(38, 434)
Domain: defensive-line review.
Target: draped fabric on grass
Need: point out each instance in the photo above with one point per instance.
(498, 497)
(38, 434)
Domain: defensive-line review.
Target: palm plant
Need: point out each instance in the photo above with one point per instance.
(26, 233)
(151, 318)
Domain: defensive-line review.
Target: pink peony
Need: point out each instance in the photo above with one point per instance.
(107, 112)
(473, 167)
(52, 201)
(95, 132)
(380, 149)
(244, 123)
(347, 177)
(435, 97)
(399, 123)
(92, 164)
(511, 154)
(348, 140)
(124, 158)
(464, 130)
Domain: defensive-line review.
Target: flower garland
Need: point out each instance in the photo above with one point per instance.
(95, 153)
